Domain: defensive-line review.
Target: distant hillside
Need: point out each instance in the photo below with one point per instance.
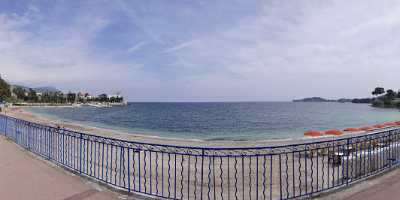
(46, 89)
(314, 99)
(344, 100)
(37, 89)
(23, 87)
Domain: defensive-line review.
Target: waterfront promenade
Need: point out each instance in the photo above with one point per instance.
(385, 186)
(24, 176)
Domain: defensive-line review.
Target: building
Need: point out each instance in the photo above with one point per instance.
(116, 96)
(88, 96)
(2, 105)
(103, 97)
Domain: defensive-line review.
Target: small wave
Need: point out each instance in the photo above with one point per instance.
(225, 139)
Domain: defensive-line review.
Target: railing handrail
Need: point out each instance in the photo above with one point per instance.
(277, 172)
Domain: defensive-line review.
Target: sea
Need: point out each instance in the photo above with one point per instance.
(224, 120)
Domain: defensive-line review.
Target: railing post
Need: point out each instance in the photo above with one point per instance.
(6, 126)
(347, 163)
(63, 145)
(51, 145)
(50, 142)
(80, 153)
(28, 127)
(202, 172)
(129, 172)
(280, 176)
(390, 149)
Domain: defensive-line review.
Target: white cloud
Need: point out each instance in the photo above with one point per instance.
(58, 55)
(33, 8)
(180, 46)
(137, 47)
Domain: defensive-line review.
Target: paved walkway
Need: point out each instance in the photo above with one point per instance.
(385, 186)
(23, 176)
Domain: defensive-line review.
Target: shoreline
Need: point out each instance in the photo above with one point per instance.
(21, 113)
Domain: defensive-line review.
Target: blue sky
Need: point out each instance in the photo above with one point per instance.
(203, 50)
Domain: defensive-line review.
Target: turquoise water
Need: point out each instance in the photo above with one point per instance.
(224, 121)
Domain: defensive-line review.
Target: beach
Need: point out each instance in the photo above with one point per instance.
(21, 113)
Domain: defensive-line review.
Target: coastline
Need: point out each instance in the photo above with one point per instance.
(21, 113)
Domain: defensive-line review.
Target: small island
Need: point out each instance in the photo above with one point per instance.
(313, 99)
(320, 99)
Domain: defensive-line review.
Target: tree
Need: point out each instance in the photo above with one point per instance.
(378, 91)
(46, 97)
(5, 92)
(377, 103)
(19, 92)
(390, 94)
(71, 97)
(103, 98)
(32, 96)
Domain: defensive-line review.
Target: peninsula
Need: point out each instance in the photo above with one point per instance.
(385, 98)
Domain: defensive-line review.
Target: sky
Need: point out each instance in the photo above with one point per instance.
(203, 50)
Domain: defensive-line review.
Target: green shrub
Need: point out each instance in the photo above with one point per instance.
(377, 103)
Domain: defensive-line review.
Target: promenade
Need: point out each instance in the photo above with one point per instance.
(23, 176)
(384, 186)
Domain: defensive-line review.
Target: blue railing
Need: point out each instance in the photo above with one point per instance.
(178, 172)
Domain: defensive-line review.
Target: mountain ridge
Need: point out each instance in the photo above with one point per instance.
(44, 89)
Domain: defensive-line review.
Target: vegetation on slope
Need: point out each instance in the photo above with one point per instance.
(386, 98)
(5, 92)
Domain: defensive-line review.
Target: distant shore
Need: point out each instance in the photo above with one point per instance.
(21, 113)
(69, 105)
(44, 105)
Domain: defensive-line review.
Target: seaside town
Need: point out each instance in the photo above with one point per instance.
(49, 96)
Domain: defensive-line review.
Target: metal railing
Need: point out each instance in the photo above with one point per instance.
(178, 172)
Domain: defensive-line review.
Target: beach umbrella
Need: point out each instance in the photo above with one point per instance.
(313, 133)
(390, 124)
(333, 132)
(366, 128)
(352, 130)
(397, 123)
(379, 126)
